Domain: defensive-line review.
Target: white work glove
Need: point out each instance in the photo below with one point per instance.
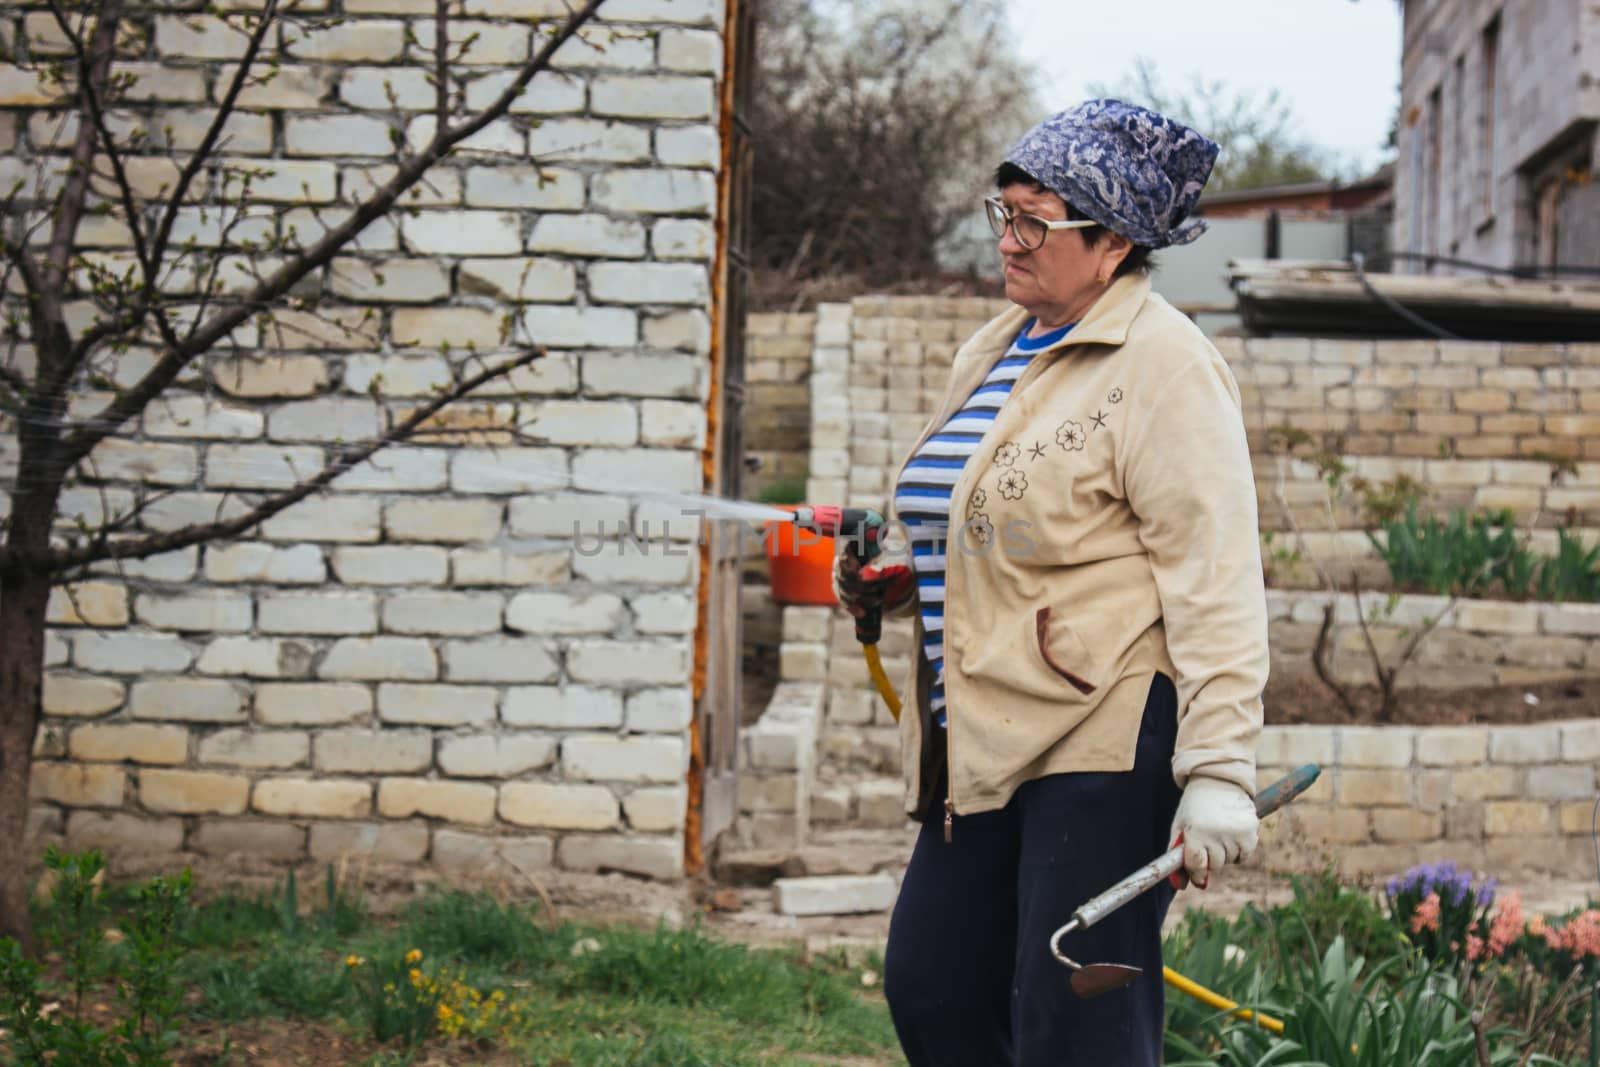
(1217, 824)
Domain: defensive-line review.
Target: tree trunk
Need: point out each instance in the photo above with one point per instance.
(22, 611)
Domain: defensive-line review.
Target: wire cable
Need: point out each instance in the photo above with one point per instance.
(1357, 262)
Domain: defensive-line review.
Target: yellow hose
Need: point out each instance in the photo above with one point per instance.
(881, 680)
(1221, 1003)
(1174, 979)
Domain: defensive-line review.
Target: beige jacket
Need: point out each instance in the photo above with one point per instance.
(1109, 533)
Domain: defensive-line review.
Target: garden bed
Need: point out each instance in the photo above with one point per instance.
(1295, 700)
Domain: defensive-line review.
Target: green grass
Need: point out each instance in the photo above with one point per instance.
(588, 996)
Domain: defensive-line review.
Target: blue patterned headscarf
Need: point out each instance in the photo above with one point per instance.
(1131, 170)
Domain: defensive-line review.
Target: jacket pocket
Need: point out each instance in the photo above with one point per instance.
(1068, 653)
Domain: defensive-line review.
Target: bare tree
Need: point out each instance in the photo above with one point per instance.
(1256, 131)
(877, 127)
(93, 339)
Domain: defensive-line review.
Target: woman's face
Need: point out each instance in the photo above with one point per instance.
(1058, 281)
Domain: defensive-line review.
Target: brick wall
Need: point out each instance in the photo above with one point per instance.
(427, 662)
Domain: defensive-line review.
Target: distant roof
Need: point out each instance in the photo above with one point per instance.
(1382, 178)
(1328, 299)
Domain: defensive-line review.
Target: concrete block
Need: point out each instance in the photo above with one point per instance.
(564, 707)
(668, 423)
(1517, 818)
(652, 857)
(311, 705)
(656, 808)
(437, 705)
(456, 802)
(332, 614)
(213, 611)
(131, 653)
(397, 470)
(251, 562)
(771, 793)
(527, 188)
(193, 792)
(373, 751)
(256, 838)
(1536, 743)
(1452, 746)
(254, 376)
(379, 659)
(131, 742)
(188, 700)
(624, 759)
(880, 803)
(1487, 783)
(834, 895)
(1402, 824)
(499, 659)
(559, 806)
(380, 842)
(257, 749)
(664, 613)
(500, 757)
(453, 521)
(565, 613)
(102, 604)
(628, 663)
(79, 697)
(117, 832)
(77, 785)
(657, 97)
(256, 657)
(1562, 782)
(1372, 789)
(391, 565)
(1580, 741)
(451, 614)
(304, 797)
(498, 567)
(325, 519)
(659, 711)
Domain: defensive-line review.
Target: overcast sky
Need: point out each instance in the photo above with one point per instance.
(1335, 62)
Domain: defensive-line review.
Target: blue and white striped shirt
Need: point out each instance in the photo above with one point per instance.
(922, 499)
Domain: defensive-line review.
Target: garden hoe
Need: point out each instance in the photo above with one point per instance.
(1093, 979)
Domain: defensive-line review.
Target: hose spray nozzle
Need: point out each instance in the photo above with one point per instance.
(859, 529)
(859, 532)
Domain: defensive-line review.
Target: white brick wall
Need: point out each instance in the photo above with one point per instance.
(432, 642)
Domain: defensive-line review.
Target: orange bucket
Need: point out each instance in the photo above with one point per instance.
(800, 564)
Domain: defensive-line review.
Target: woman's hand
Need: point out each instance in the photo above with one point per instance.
(1217, 824)
(860, 588)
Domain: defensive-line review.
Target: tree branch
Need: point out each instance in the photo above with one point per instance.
(59, 560)
(407, 174)
(102, 47)
(208, 143)
(441, 64)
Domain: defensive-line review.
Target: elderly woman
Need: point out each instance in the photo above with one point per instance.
(1091, 617)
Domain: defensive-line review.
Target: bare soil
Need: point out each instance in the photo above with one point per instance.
(1306, 700)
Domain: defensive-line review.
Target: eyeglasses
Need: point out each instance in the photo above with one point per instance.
(1030, 230)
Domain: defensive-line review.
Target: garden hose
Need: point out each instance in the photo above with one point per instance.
(1216, 1000)
(881, 680)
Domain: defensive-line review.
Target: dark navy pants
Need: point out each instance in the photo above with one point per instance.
(968, 971)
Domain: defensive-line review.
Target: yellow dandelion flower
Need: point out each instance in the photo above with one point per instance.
(414, 956)
(416, 976)
(353, 961)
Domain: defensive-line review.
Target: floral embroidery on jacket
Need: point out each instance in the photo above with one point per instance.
(1114, 397)
(1007, 454)
(976, 503)
(1070, 436)
(1013, 484)
(982, 529)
